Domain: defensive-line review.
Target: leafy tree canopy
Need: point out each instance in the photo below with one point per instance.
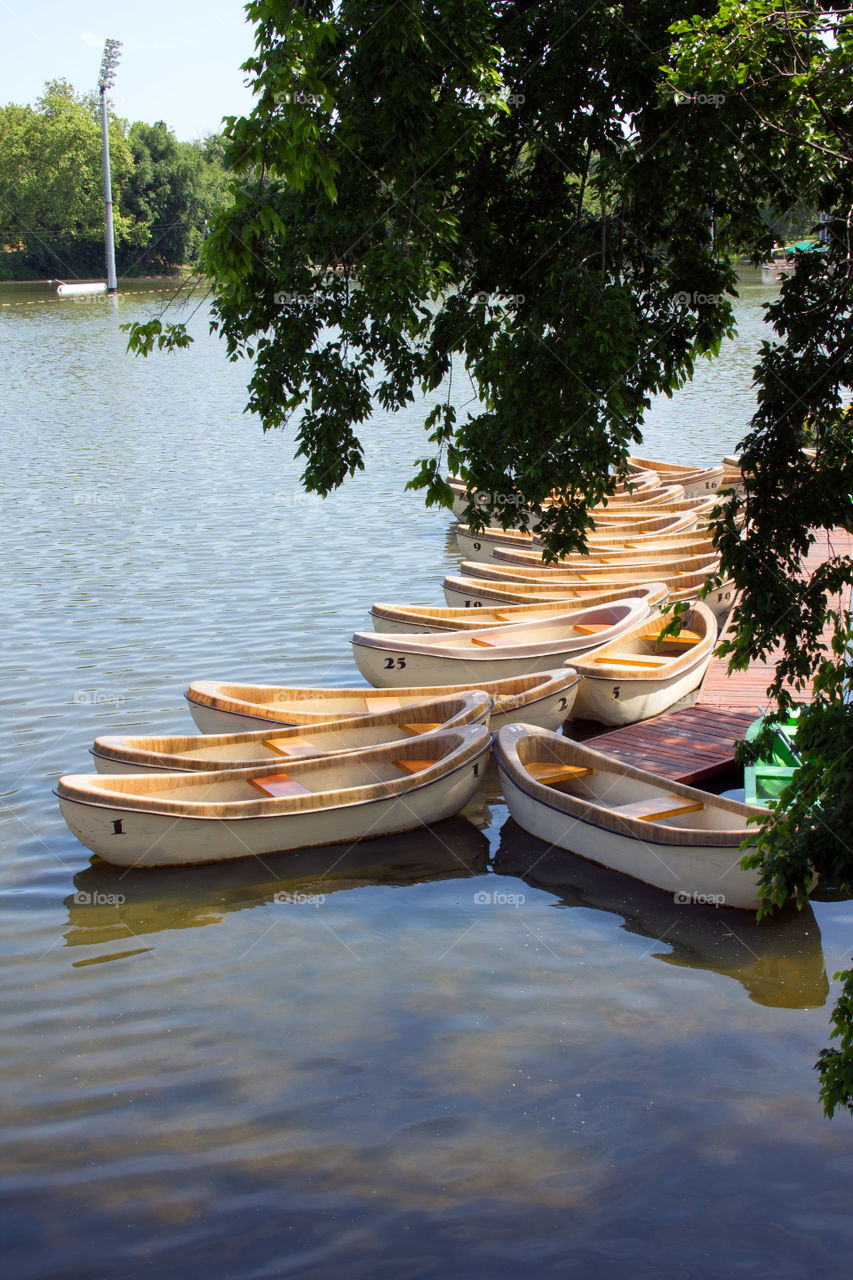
(51, 186)
(483, 188)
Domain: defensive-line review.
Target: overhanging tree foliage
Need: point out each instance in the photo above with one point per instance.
(495, 189)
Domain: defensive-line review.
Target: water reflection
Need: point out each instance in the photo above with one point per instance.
(778, 962)
(112, 904)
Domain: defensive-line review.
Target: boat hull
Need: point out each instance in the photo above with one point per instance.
(626, 701)
(691, 848)
(389, 669)
(696, 875)
(130, 837)
(545, 704)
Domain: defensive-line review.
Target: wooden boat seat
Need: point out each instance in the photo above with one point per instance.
(657, 807)
(684, 637)
(413, 766)
(548, 771)
(291, 746)
(379, 704)
(485, 644)
(631, 661)
(280, 784)
(591, 628)
(424, 727)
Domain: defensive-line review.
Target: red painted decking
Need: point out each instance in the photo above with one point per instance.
(688, 745)
(697, 742)
(747, 690)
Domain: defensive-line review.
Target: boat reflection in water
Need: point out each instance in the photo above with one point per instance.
(778, 962)
(113, 904)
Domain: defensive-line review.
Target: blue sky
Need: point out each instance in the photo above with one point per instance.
(180, 61)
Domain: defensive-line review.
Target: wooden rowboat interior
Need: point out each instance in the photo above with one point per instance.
(630, 798)
(342, 780)
(349, 734)
(646, 650)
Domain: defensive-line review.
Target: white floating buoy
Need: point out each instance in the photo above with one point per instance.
(78, 290)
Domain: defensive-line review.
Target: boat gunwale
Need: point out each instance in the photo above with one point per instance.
(280, 806)
(599, 816)
(544, 684)
(678, 665)
(426, 643)
(473, 707)
(503, 571)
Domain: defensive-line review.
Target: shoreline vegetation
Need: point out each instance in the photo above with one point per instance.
(51, 191)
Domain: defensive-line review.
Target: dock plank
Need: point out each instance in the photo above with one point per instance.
(689, 745)
(695, 743)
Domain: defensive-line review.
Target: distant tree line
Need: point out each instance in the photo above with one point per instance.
(51, 190)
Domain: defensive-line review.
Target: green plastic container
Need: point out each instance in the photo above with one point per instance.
(766, 779)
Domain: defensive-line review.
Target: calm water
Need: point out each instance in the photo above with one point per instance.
(440, 1055)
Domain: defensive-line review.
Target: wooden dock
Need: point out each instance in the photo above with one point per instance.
(688, 745)
(697, 742)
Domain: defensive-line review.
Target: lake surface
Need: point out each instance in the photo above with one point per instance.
(437, 1055)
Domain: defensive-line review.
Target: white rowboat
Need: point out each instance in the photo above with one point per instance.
(464, 593)
(609, 550)
(643, 674)
(484, 545)
(644, 568)
(544, 698)
(170, 819)
(684, 841)
(697, 481)
(426, 619)
(280, 743)
(640, 482)
(387, 661)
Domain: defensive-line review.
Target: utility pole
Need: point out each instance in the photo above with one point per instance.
(107, 76)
